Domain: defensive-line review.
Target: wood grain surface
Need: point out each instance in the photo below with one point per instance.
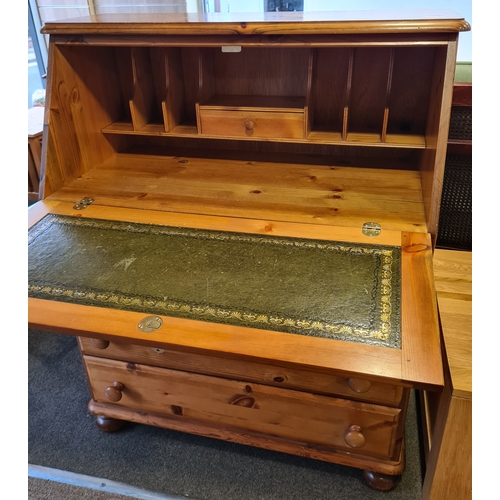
(352, 22)
(453, 277)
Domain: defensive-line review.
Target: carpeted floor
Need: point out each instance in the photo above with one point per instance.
(62, 435)
(51, 484)
(43, 489)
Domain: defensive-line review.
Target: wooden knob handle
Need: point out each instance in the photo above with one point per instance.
(99, 343)
(114, 391)
(249, 125)
(359, 384)
(354, 437)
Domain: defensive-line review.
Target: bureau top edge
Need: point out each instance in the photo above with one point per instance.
(267, 23)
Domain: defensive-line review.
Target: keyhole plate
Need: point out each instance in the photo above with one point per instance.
(150, 324)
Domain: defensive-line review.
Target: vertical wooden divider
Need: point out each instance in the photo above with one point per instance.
(309, 108)
(206, 80)
(167, 72)
(142, 102)
(345, 121)
(388, 95)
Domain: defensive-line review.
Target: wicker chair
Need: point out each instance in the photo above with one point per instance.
(455, 221)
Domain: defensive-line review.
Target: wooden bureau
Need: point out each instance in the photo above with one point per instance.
(289, 139)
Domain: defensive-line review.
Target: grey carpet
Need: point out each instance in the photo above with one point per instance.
(52, 484)
(43, 489)
(62, 435)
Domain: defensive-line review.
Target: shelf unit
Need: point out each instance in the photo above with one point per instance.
(343, 95)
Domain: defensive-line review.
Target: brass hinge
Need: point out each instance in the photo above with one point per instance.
(371, 229)
(83, 203)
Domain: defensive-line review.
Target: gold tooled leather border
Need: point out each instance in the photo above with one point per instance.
(387, 274)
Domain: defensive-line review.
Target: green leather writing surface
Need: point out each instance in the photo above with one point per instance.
(309, 287)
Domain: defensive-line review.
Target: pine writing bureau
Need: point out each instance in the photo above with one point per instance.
(237, 220)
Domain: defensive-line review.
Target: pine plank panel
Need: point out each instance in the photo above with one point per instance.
(438, 120)
(456, 320)
(453, 273)
(293, 193)
(410, 89)
(451, 469)
(251, 102)
(448, 416)
(74, 112)
(264, 72)
(421, 346)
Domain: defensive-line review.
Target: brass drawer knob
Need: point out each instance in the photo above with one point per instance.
(99, 343)
(359, 385)
(354, 437)
(249, 125)
(114, 391)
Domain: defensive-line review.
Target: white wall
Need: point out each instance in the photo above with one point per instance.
(241, 5)
(462, 7)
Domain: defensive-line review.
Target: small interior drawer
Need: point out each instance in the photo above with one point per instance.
(251, 123)
(356, 388)
(300, 416)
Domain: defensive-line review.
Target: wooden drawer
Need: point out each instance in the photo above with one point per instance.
(262, 124)
(300, 416)
(356, 388)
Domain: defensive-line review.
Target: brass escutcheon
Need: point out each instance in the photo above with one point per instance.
(150, 324)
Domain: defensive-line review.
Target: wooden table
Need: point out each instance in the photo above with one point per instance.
(35, 128)
(448, 416)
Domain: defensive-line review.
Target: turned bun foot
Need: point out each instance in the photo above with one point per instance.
(108, 424)
(381, 482)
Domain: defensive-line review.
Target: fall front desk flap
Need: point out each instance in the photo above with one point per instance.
(309, 287)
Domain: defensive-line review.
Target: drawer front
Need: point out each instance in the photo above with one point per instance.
(351, 426)
(262, 124)
(355, 388)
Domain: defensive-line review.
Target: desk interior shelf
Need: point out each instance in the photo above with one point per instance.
(344, 95)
